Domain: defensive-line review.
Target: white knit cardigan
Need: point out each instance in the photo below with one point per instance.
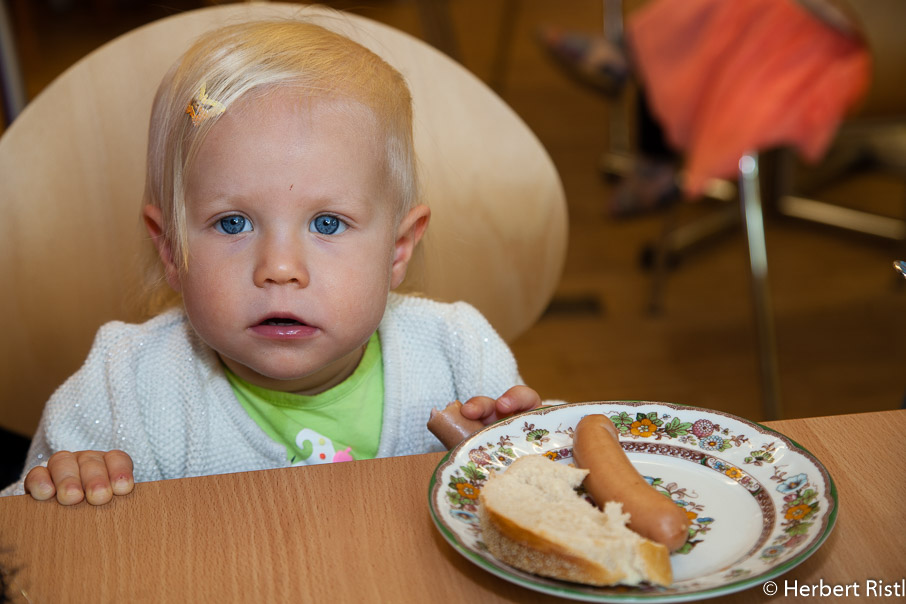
(156, 391)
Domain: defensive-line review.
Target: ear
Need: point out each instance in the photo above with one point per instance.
(155, 225)
(408, 234)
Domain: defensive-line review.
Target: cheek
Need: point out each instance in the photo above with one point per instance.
(366, 259)
(359, 285)
(207, 286)
(376, 265)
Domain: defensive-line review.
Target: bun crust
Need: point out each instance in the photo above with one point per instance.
(532, 518)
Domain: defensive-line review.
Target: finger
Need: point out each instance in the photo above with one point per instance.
(95, 479)
(517, 399)
(64, 472)
(119, 469)
(478, 407)
(38, 484)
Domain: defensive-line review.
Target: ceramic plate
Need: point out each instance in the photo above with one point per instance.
(759, 503)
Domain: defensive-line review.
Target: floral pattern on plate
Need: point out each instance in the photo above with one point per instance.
(759, 503)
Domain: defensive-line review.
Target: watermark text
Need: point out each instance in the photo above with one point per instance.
(869, 588)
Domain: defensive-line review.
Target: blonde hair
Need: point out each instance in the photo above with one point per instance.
(256, 58)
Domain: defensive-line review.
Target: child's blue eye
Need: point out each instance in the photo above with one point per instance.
(326, 224)
(233, 225)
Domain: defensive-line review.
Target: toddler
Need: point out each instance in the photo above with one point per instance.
(281, 198)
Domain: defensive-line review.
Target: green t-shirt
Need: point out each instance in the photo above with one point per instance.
(340, 424)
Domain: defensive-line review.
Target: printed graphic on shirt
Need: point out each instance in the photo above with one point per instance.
(317, 449)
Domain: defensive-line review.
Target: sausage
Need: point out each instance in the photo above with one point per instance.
(450, 427)
(612, 477)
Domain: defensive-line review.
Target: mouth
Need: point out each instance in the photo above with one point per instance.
(281, 322)
(282, 319)
(284, 326)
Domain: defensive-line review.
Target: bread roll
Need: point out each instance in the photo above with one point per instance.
(532, 518)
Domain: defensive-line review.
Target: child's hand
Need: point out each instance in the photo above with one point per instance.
(487, 410)
(93, 475)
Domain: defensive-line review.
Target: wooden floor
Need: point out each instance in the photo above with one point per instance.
(839, 309)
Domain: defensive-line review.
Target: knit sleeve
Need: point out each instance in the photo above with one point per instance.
(435, 353)
(80, 414)
(115, 400)
(482, 363)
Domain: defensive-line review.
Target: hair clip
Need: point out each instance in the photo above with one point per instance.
(202, 107)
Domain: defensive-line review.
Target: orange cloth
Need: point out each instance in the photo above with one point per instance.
(727, 77)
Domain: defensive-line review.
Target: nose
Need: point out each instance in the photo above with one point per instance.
(281, 261)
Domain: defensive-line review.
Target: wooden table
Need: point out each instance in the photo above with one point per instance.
(361, 532)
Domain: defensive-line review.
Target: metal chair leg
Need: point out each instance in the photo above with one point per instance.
(617, 159)
(12, 86)
(752, 217)
(438, 27)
